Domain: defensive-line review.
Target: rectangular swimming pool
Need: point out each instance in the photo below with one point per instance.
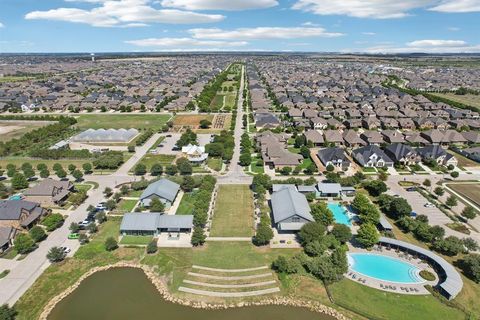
(340, 214)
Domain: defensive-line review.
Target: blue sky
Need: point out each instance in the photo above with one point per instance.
(374, 26)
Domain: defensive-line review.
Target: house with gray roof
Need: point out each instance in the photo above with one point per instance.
(154, 223)
(165, 190)
(402, 153)
(329, 189)
(7, 234)
(335, 157)
(49, 192)
(372, 156)
(437, 154)
(20, 213)
(290, 210)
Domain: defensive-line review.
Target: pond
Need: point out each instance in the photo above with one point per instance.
(126, 293)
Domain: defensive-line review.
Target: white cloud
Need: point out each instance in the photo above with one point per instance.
(261, 33)
(457, 6)
(310, 24)
(123, 13)
(428, 46)
(184, 43)
(229, 5)
(2, 25)
(383, 9)
(369, 33)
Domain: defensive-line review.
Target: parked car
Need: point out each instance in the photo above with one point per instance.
(66, 249)
(411, 189)
(83, 224)
(168, 136)
(413, 214)
(73, 236)
(429, 205)
(101, 206)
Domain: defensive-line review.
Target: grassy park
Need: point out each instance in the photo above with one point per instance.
(150, 159)
(466, 99)
(233, 215)
(467, 190)
(118, 121)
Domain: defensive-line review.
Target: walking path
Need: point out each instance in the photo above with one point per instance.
(230, 286)
(209, 276)
(230, 270)
(229, 294)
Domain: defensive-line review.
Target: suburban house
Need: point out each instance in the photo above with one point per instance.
(7, 234)
(163, 189)
(20, 213)
(49, 192)
(266, 120)
(438, 154)
(326, 190)
(372, 156)
(402, 153)
(334, 156)
(315, 137)
(155, 223)
(194, 153)
(290, 210)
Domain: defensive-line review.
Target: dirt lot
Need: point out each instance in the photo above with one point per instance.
(469, 191)
(219, 122)
(191, 120)
(15, 129)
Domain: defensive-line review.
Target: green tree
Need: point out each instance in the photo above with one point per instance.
(56, 254)
(246, 159)
(205, 124)
(439, 191)
(184, 166)
(156, 205)
(451, 201)
(285, 171)
(427, 183)
(471, 266)
(19, 181)
(37, 233)
(341, 232)
(87, 167)
(71, 167)
(367, 235)
(454, 174)
(305, 152)
(156, 169)
(7, 313)
(77, 174)
(321, 213)
(188, 183)
(287, 265)
(92, 228)
(61, 173)
(110, 244)
(330, 168)
(74, 227)
(107, 192)
(468, 212)
(171, 170)
(101, 217)
(375, 187)
(400, 207)
(198, 237)
(312, 231)
(140, 169)
(44, 173)
(451, 246)
(23, 243)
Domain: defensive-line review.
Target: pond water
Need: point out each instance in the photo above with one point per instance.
(126, 293)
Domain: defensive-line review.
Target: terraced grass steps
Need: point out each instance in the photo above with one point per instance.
(209, 276)
(229, 294)
(230, 286)
(230, 270)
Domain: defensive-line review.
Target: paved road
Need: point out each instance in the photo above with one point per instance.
(23, 273)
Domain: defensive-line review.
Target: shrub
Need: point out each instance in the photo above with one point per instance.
(56, 254)
(53, 221)
(427, 275)
(152, 247)
(37, 233)
(110, 244)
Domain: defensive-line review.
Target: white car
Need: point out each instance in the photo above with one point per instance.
(66, 249)
(101, 206)
(429, 205)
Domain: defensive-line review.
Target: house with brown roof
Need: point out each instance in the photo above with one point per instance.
(372, 137)
(393, 136)
(49, 192)
(406, 123)
(333, 137)
(352, 140)
(315, 137)
(20, 214)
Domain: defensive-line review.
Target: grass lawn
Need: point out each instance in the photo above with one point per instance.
(376, 304)
(233, 214)
(82, 187)
(186, 205)
(126, 205)
(150, 159)
(136, 240)
(464, 161)
(134, 193)
(467, 99)
(16, 129)
(305, 163)
(9, 254)
(118, 121)
(254, 167)
(469, 191)
(214, 163)
(368, 169)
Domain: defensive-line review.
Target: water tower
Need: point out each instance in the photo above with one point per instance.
(93, 56)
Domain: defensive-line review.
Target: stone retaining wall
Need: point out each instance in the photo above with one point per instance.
(167, 296)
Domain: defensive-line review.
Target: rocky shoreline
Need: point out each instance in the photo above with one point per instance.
(167, 296)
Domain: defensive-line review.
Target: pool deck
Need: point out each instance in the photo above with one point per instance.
(401, 288)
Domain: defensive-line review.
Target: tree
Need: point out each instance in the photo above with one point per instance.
(61, 173)
(28, 173)
(427, 183)
(471, 266)
(7, 313)
(439, 191)
(367, 235)
(400, 207)
(383, 176)
(131, 148)
(23, 243)
(454, 174)
(37, 233)
(342, 233)
(468, 212)
(263, 235)
(188, 183)
(310, 169)
(44, 173)
(110, 244)
(156, 169)
(53, 221)
(74, 227)
(305, 152)
(470, 244)
(56, 254)
(171, 170)
(330, 168)
(92, 228)
(152, 247)
(124, 189)
(287, 265)
(450, 246)
(300, 140)
(140, 169)
(71, 167)
(107, 192)
(184, 166)
(205, 124)
(451, 201)
(198, 237)
(156, 205)
(110, 204)
(101, 217)
(375, 187)
(310, 232)
(261, 180)
(322, 214)
(87, 167)
(246, 159)
(19, 181)
(285, 171)
(77, 174)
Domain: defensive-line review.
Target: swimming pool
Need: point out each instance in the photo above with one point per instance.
(340, 214)
(384, 268)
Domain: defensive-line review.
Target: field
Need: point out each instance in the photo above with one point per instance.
(214, 163)
(187, 204)
(136, 240)
(15, 129)
(126, 205)
(118, 121)
(469, 191)
(467, 99)
(464, 161)
(150, 159)
(219, 122)
(233, 215)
